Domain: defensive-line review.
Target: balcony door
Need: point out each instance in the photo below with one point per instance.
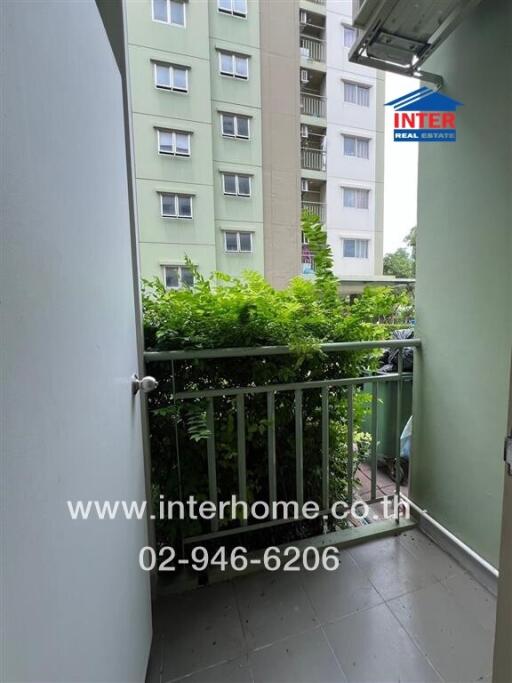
(75, 605)
(503, 645)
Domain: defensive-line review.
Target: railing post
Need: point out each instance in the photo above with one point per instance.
(271, 441)
(398, 464)
(212, 466)
(240, 430)
(375, 400)
(325, 447)
(350, 443)
(299, 455)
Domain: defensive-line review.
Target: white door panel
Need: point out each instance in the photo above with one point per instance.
(75, 605)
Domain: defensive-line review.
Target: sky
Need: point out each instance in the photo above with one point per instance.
(400, 171)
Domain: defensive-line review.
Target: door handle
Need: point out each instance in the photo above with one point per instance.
(146, 384)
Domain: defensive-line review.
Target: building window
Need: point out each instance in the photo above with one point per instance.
(236, 185)
(355, 248)
(233, 65)
(356, 94)
(238, 8)
(169, 12)
(171, 77)
(176, 277)
(355, 198)
(175, 205)
(349, 36)
(235, 126)
(356, 147)
(238, 242)
(173, 143)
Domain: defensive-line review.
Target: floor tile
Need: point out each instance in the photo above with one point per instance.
(273, 605)
(334, 594)
(391, 568)
(473, 598)
(300, 659)
(458, 646)
(237, 671)
(435, 560)
(199, 628)
(372, 647)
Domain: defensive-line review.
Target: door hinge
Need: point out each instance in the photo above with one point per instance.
(507, 453)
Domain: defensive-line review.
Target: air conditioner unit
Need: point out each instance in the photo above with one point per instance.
(303, 16)
(304, 185)
(304, 52)
(304, 132)
(304, 76)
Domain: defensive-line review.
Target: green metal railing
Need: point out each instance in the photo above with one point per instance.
(239, 395)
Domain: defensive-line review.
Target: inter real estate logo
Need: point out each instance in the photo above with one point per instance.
(424, 115)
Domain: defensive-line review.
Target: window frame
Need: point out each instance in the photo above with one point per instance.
(359, 87)
(176, 196)
(236, 135)
(171, 68)
(238, 249)
(353, 30)
(233, 56)
(169, 21)
(174, 153)
(357, 139)
(236, 176)
(179, 267)
(356, 240)
(359, 191)
(232, 13)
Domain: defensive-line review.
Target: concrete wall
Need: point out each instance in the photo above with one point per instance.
(464, 287)
(75, 606)
(279, 30)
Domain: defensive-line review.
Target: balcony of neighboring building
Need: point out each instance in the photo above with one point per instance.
(312, 152)
(313, 103)
(315, 6)
(312, 198)
(312, 40)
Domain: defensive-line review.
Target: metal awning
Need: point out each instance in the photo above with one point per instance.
(399, 35)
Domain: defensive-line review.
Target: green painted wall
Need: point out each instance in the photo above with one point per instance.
(163, 240)
(464, 287)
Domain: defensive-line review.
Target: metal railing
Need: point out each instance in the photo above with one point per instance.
(312, 105)
(316, 208)
(312, 48)
(243, 396)
(312, 159)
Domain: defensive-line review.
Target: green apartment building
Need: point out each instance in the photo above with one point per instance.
(202, 163)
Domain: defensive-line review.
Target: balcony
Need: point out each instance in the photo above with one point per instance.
(317, 208)
(396, 608)
(312, 49)
(312, 105)
(313, 159)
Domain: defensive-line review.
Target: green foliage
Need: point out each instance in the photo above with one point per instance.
(399, 264)
(224, 311)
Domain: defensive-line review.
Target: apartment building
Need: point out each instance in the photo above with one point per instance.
(342, 145)
(244, 112)
(202, 155)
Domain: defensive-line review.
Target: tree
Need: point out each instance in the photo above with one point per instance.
(399, 263)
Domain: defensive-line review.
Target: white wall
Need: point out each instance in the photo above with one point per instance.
(75, 605)
(342, 171)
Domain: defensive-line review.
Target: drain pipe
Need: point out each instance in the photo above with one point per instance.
(456, 541)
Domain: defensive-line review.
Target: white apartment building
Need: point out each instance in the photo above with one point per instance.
(342, 140)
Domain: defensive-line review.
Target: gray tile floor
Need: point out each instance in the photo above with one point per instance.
(397, 609)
